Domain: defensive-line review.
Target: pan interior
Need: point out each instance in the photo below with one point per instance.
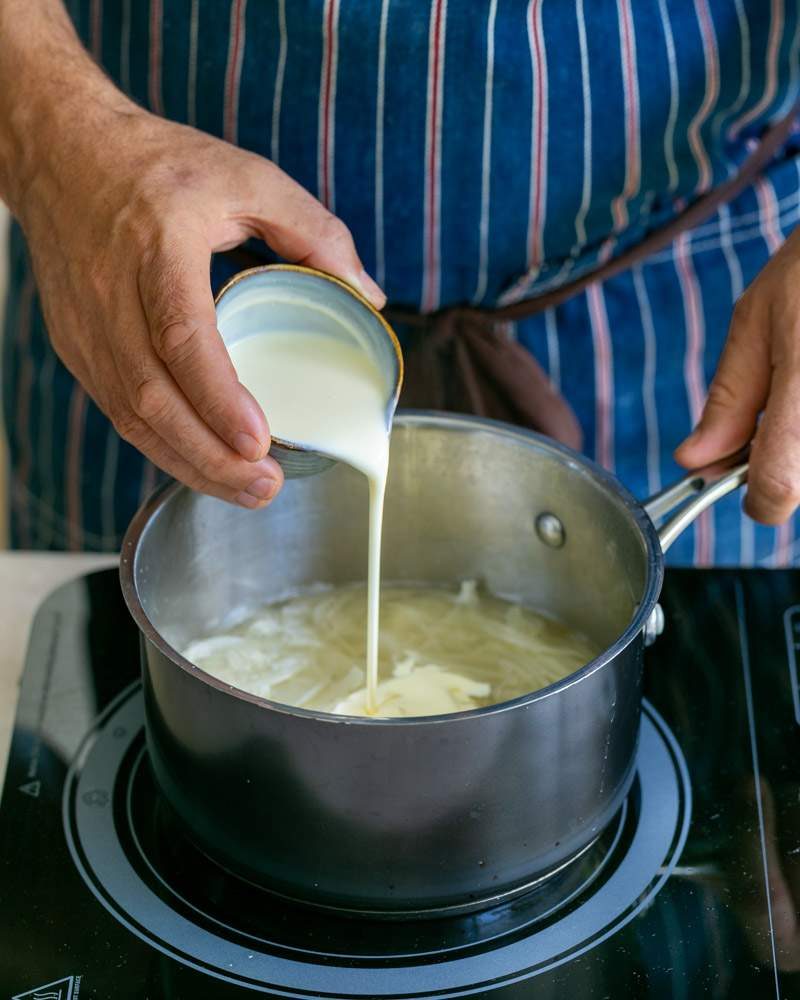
(462, 503)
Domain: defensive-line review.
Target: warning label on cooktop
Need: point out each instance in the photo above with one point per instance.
(67, 988)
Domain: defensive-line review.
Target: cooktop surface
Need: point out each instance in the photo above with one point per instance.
(692, 891)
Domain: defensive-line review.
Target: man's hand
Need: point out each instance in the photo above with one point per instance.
(759, 372)
(121, 211)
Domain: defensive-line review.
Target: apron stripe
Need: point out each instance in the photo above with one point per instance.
(23, 400)
(96, 29)
(327, 106)
(233, 71)
(744, 85)
(486, 158)
(191, 75)
(280, 72)
(380, 248)
(433, 142)
(794, 77)
(154, 94)
(649, 383)
(76, 423)
(674, 92)
(768, 215)
(630, 86)
(125, 47)
(771, 85)
(693, 374)
(581, 239)
(711, 59)
(538, 187)
(603, 377)
(553, 352)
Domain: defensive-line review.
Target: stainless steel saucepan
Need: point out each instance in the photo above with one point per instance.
(408, 816)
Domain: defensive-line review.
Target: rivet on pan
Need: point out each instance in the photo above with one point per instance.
(654, 625)
(550, 530)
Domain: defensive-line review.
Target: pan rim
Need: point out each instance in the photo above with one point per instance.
(654, 574)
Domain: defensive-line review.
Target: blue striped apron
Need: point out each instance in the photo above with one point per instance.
(481, 151)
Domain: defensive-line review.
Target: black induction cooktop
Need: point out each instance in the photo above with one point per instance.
(693, 890)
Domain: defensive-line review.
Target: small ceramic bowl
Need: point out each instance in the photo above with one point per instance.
(287, 297)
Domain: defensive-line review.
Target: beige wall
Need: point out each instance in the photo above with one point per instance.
(3, 264)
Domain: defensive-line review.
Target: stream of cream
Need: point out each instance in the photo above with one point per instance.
(328, 395)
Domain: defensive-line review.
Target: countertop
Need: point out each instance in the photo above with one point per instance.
(26, 578)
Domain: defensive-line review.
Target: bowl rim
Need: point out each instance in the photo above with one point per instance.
(654, 574)
(313, 272)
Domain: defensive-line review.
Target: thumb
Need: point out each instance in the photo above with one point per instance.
(299, 228)
(737, 394)
(175, 294)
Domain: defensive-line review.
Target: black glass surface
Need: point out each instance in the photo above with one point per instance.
(722, 675)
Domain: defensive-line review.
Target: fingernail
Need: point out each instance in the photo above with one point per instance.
(245, 500)
(247, 446)
(370, 289)
(262, 488)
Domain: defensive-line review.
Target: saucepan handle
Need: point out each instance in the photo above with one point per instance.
(678, 505)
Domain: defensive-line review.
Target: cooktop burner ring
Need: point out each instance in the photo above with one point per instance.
(476, 905)
(511, 917)
(660, 804)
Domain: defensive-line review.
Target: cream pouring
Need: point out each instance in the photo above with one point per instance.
(328, 395)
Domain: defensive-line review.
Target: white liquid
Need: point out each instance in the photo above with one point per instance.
(440, 650)
(328, 395)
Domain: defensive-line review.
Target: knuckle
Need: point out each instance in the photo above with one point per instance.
(197, 481)
(150, 400)
(335, 231)
(129, 427)
(163, 182)
(175, 339)
(217, 468)
(778, 489)
(213, 406)
(175, 319)
(722, 394)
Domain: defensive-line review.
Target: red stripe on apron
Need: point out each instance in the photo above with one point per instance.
(327, 124)
(535, 249)
(234, 70)
(604, 377)
(154, 59)
(709, 97)
(430, 295)
(619, 209)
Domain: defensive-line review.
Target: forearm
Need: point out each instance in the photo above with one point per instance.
(50, 88)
